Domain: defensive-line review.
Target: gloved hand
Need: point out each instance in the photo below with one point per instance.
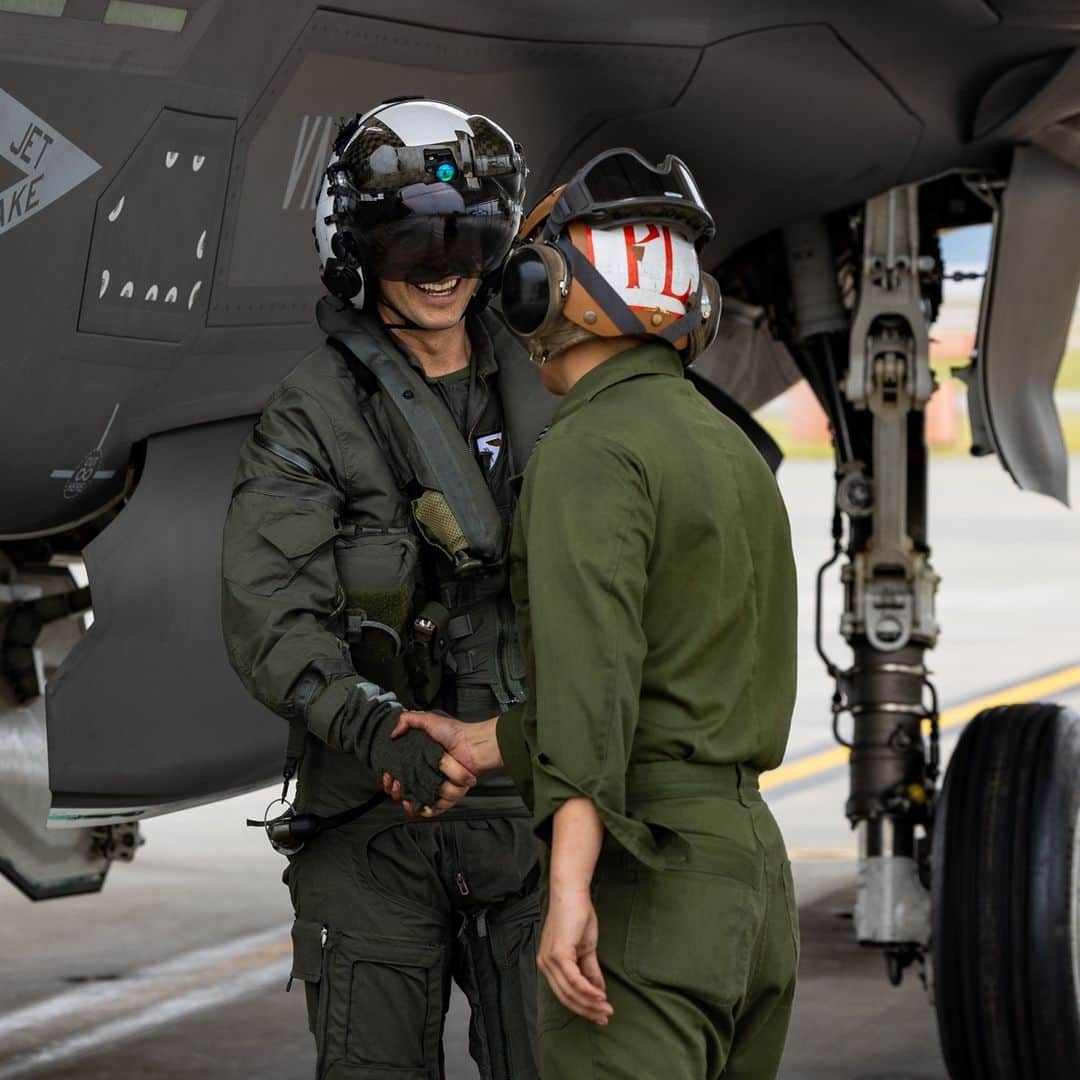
(413, 759)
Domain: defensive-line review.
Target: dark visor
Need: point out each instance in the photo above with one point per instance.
(621, 186)
(427, 248)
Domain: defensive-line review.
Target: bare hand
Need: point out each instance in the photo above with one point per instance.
(474, 745)
(567, 956)
(459, 778)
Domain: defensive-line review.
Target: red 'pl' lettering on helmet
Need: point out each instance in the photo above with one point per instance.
(669, 261)
(632, 280)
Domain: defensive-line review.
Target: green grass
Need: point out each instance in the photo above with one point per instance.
(780, 430)
(1068, 376)
(1068, 379)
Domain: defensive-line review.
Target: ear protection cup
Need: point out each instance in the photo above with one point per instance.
(704, 334)
(543, 302)
(535, 284)
(344, 282)
(343, 273)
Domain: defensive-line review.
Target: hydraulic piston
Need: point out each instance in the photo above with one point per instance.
(876, 408)
(889, 584)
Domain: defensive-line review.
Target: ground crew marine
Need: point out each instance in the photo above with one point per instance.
(343, 604)
(652, 571)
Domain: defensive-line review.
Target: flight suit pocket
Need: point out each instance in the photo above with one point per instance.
(265, 554)
(384, 1006)
(378, 573)
(514, 932)
(307, 944)
(694, 933)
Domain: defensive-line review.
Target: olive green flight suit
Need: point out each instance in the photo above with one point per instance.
(324, 572)
(652, 572)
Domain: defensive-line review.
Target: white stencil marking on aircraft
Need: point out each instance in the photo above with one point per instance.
(51, 163)
(151, 293)
(128, 291)
(118, 209)
(194, 292)
(312, 150)
(199, 247)
(170, 158)
(104, 283)
(197, 162)
(171, 295)
(318, 165)
(78, 479)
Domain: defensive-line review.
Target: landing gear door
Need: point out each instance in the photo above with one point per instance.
(1027, 308)
(145, 715)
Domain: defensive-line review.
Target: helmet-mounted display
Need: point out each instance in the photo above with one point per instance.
(417, 190)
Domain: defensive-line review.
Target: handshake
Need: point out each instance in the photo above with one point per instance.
(430, 761)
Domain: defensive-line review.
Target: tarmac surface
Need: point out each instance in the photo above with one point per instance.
(177, 968)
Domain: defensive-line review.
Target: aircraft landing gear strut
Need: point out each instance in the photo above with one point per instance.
(889, 585)
(999, 851)
(876, 409)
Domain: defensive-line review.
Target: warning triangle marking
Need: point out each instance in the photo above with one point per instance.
(51, 164)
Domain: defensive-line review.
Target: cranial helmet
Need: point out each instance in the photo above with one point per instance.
(614, 253)
(418, 191)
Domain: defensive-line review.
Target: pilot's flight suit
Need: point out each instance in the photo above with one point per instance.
(652, 572)
(325, 574)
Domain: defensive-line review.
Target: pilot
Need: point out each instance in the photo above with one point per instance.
(652, 571)
(364, 571)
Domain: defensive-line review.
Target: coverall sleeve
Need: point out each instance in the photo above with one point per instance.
(281, 597)
(588, 532)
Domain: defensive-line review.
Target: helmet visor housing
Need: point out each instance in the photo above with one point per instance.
(620, 187)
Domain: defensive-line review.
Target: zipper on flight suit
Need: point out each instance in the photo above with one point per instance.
(323, 1013)
(458, 862)
(504, 681)
(473, 422)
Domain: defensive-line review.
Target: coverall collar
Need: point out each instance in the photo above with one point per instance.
(645, 359)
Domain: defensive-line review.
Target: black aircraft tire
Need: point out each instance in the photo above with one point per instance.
(1006, 898)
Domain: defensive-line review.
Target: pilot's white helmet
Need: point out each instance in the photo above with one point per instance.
(417, 190)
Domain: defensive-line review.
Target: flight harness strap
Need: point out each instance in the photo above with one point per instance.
(437, 458)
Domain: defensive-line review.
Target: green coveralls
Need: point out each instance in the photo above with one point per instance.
(652, 572)
(323, 574)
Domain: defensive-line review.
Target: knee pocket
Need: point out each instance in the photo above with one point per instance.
(694, 933)
(377, 1001)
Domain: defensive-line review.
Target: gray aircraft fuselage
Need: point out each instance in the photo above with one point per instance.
(157, 185)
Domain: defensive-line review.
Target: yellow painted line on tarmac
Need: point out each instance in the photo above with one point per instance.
(1045, 686)
(822, 854)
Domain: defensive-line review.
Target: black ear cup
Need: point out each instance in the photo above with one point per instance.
(525, 290)
(535, 281)
(343, 275)
(343, 281)
(704, 334)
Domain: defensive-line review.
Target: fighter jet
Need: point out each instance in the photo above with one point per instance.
(159, 169)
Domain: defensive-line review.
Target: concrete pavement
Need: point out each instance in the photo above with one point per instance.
(140, 980)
